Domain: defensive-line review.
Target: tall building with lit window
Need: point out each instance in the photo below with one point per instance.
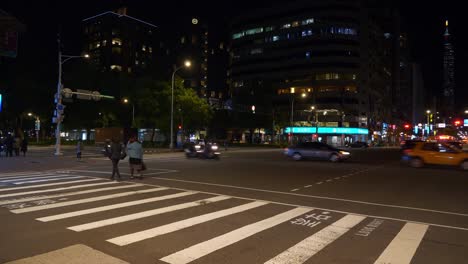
(119, 42)
(449, 72)
(336, 56)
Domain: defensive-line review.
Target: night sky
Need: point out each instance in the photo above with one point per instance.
(424, 24)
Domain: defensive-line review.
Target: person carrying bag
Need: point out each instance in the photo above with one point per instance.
(135, 154)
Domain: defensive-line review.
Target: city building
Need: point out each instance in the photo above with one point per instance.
(448, 80)
(317, 64)
(119, 42)
(10, 28)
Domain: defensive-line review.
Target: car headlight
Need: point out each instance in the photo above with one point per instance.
(214, 147)
(197, 147)
(345, 152)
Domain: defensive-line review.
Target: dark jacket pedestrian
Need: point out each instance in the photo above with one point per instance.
(24, 146)
(115, 153)
(9, 146)
(16, 145)
(79, 148)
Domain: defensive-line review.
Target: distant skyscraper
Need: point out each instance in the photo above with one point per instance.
(449, 71)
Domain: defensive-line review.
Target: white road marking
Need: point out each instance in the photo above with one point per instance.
(20, 173)
(122, 173)
(48, 176)
(322, 197)
(293, 190)
(307, 186)
(47, 184)
(308, 247)
(337, 178)
(202, 249)
(172, 227)
(329, 180)
(87, 200)
(27, 199)
(55, 179)
(319, 182)
(139, 215)
(403, 247)
(111, 207)
(57, 189)
(26, 176)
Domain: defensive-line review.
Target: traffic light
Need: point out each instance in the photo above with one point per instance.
(457, 122)
(407, 126)
(180, 126)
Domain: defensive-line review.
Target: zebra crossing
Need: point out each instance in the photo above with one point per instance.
(206, 228)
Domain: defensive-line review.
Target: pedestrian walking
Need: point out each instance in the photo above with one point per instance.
(24, 146)
(79, 148)
(135, 157)
(9, 145)
(16, 145)
(115, 152)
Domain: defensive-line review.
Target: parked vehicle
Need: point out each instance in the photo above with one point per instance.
(358, 144)
(435, 153)
(204, 151)
(316, 150)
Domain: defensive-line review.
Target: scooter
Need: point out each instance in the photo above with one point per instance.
(208, 151)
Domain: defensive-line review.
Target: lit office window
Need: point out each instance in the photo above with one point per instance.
(143, 48)
(238, 35)
(117, 41)
(267, 29)
(295, 24)
(286, 25)
(104, 42)
(256, 51)
(253, 31)
(150, 49)
(307, 21)
(275, 38)
(116, 67)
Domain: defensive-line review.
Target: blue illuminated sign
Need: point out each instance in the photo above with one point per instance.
(301, 130)
(465, 121)
(0, 102)
(327, 130)
(343, 130)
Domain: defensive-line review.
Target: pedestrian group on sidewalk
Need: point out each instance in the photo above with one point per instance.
(14, 144)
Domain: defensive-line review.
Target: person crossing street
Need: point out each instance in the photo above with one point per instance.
(135, 154)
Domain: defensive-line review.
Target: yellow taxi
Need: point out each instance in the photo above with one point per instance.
(435, 153)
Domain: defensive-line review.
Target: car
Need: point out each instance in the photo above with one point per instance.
(316, 150)
(408, 144)
(435, 153)
(358, 144)
(456, 144)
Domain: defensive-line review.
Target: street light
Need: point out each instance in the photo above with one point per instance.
(37, 125)
(59, 108)
(428, 112)
(292, 92)
(126, 101)
(187, 64)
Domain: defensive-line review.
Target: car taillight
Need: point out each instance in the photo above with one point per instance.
(407, 151)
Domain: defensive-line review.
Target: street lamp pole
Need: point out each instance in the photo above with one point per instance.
(186, 64)
(59, 94)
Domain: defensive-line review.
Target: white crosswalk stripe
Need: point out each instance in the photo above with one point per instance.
(45, 180)
(57, 189)
(46, 185)
(27, 199)
(111, 207)
(202, 249)
(143, 214)
(87, 200)
(45, 175)
(308, 247)
(401, 250)
(165, 229)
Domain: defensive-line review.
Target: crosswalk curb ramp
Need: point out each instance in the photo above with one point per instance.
(76, 254)
(284, 234)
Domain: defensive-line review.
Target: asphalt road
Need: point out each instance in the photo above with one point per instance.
(252, 206)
